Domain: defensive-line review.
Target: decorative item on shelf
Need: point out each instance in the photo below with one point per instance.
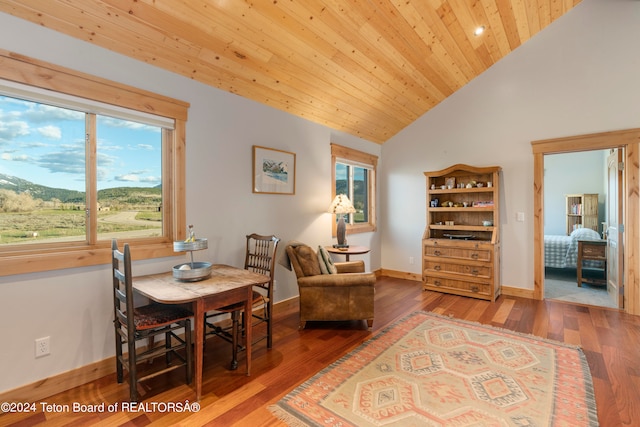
(191, 271)
(483, 204)
(487, 223)
(191, 234)
(340, 206)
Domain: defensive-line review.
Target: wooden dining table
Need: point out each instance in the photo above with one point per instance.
(226, 285)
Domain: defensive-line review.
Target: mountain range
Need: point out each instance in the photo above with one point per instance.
(37, 191)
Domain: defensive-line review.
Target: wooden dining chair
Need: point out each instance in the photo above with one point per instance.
(260, 257)
(133, 324)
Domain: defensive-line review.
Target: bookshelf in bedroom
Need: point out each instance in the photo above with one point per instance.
(582, 211)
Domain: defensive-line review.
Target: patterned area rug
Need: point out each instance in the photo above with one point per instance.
(430, 370)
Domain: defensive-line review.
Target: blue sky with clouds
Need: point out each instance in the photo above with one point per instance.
(45, 145)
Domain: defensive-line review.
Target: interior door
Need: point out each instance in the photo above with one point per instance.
(615, 283)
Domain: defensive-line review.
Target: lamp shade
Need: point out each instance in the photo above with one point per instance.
(341, 205)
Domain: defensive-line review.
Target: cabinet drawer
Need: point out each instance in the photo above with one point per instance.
(593, 251)
(459, 286)
(438, 266)
(458, 252)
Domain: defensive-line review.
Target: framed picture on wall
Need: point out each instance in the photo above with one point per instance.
(274, 171)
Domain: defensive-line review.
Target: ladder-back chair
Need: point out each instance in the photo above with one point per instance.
(133, 324)
(260, 257)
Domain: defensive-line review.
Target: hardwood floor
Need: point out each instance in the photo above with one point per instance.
(610, 340)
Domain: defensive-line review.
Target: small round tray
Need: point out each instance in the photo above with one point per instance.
(182, 246)
(197, 271)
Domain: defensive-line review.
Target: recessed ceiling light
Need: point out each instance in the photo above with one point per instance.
(479, 30)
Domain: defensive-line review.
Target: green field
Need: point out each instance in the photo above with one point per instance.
(45, 224)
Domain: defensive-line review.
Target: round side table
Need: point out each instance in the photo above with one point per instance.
(351, 250)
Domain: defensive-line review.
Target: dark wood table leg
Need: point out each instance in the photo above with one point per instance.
(248, 316)
(199, 330)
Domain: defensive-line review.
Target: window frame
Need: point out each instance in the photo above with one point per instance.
(355, 158)
(54, 256)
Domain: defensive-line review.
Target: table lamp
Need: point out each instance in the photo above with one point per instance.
(341, 205)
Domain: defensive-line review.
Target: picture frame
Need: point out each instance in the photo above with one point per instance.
(274, 171)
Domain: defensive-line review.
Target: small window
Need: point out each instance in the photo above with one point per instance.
(354, 174)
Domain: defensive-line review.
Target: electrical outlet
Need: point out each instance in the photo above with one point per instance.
(43, 346)
(411, 260)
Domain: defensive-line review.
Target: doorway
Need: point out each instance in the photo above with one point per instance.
(628, 140)
(575, 200)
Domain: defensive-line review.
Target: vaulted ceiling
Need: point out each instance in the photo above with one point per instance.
(365, 67)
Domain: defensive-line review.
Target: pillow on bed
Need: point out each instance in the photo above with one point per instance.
(585, 234)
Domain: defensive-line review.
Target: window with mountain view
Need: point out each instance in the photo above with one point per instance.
(129, 176)
(47, 165)
(354, 175)
(83, 160)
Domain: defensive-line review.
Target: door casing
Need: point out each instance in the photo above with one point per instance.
(629, 140)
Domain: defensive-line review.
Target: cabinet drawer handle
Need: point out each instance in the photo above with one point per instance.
(437, 268)
(437, 282)
(475, 272)
(474, 289)
(437, 253)
(474, 255)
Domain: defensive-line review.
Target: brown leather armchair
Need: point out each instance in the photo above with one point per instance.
(345, 295)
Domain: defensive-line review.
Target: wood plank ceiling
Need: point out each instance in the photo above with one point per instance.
(365, 67)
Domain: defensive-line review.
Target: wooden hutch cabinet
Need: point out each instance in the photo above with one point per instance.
(461, 243)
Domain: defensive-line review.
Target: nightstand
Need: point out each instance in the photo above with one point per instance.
(592, 250)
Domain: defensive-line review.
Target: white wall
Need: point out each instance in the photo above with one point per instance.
(572, 173)
(579, 75)
(74, 307)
